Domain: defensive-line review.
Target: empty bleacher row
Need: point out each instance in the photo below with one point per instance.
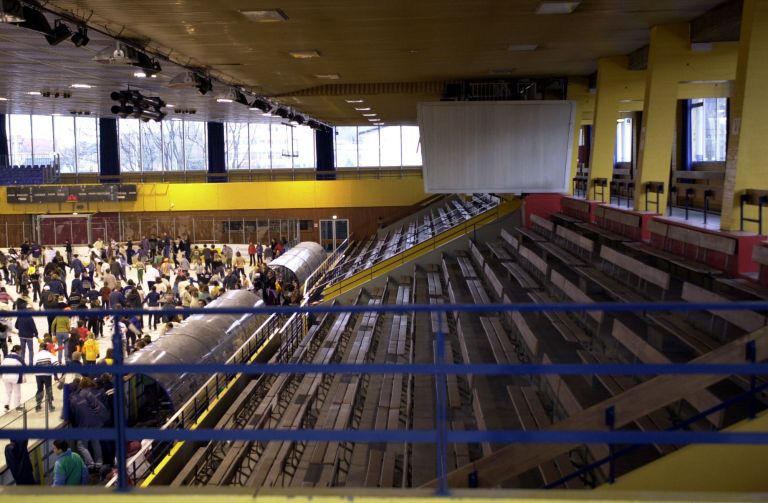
(368, 252)
(552, 262)
(28, 175)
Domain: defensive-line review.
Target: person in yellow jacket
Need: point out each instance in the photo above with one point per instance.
(91, 349)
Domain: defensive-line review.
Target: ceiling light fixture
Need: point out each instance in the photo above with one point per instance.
(328, 76)
(304, 54)
(354, 101)
(522, 47)
(80, 86)
(59, 34)
(34, 93)
(370, 115)
(80, 38)
(261, 104)
(223, 100)
(556, 7)
(11, 11)
(141, 74)
(3, 99)
(363, 109)
(265, 16)
(378, 123)
(373, 120)
(168, 105)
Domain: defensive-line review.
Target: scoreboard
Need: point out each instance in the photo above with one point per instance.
(19, 194)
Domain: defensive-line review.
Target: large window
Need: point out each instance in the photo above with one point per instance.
(624, 140)
(263, 145)
(171, 145)
(35, 139)
(709, 129)
(372, 146)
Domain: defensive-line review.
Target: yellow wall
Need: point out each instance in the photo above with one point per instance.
(721, 468)
(247, 195)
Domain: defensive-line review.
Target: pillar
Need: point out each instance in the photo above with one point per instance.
(578, 91)
(615, 83)
(109, 151)
(326, 166)
(217, 164)
(668, 49)
(746, 166)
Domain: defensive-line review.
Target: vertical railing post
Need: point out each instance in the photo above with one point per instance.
(442, 417)
(610, 422)
(120, 419)
(751, 356)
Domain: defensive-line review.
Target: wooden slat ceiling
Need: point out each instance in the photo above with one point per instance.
(364, 41)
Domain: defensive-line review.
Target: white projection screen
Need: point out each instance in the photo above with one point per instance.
(496, 146)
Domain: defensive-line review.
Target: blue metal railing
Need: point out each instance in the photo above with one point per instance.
(441, 435)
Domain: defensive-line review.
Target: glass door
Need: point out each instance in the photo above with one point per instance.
(333, 232)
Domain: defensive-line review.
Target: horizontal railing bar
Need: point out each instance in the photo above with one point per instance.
(634, 369)
(413, 436)
(615, 307)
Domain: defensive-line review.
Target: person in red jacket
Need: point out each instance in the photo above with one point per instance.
(252, 253)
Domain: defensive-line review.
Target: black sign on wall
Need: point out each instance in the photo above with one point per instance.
(19, 194)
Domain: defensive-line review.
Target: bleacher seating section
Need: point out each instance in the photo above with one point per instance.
(28, 175)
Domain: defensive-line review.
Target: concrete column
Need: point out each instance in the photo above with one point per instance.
(668, 49)
(578, 91)
(746, 166)
(615, 83)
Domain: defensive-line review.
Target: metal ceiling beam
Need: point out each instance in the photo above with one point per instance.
(721, 24)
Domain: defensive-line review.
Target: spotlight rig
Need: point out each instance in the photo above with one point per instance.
(134, 104)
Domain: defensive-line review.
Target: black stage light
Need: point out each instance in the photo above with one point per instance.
(59, 34)
(299, 119)
(239, 97)
(261, 104)
(203, 84)
(80, 38)
(282, 112)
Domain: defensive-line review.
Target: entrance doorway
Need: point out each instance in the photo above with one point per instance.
(333, 232)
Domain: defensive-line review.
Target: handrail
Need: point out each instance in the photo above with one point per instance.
(623, 452)
(201, 399)
(119, 369)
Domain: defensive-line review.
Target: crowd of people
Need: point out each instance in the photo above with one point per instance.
(170, 274)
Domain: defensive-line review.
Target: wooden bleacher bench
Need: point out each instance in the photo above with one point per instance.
(616, 289)
(530, 234)
(563, 218)
(542, 225)
(501, 347)
(467, 269)
(748, 321)
(602, 234)
(549, 471)
(645, 353)
(751, 288)
(552, 250)
(517, 273)
(677, 260)
(477, 255)
(498, 251)
(511, 240)
(575, 208)
(575, 240)
(536, 262)
(615, 385)
(633, 266)
(575, 294)
(565, 326)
